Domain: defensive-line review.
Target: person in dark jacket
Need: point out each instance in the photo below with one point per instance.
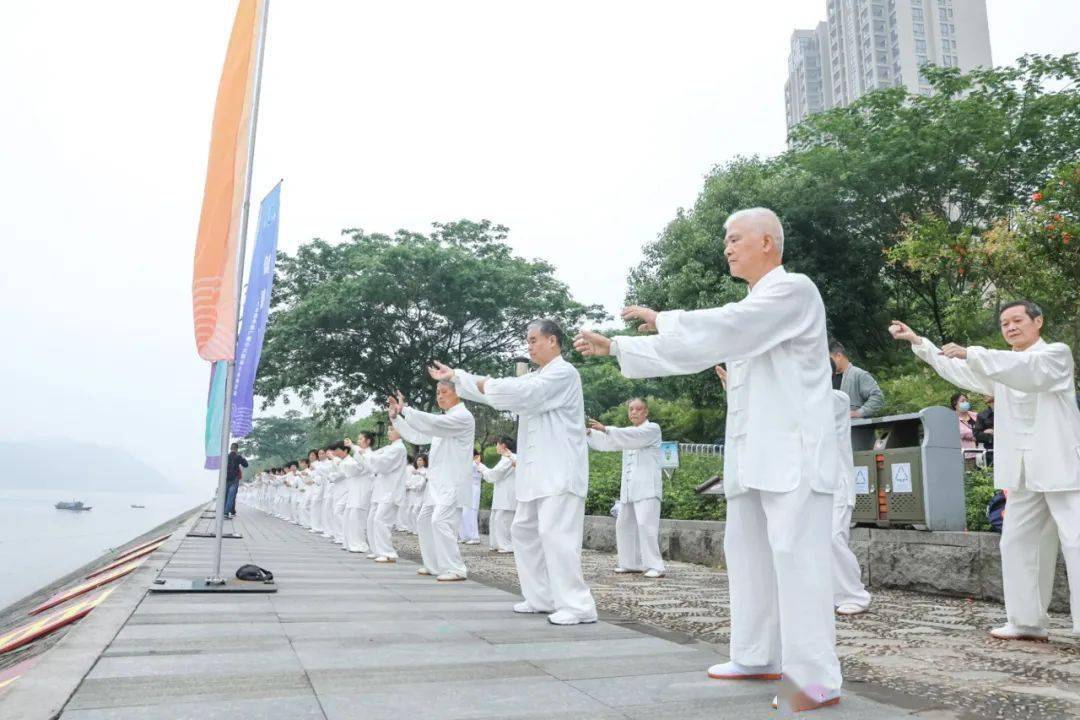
(233, 473)
(984, 429)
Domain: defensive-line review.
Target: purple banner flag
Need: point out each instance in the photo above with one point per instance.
(256, 308)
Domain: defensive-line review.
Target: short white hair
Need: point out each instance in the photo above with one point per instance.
(764, 221)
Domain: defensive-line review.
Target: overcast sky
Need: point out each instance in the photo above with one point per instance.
(582, 126)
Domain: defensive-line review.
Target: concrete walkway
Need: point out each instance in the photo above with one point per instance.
(346, 638)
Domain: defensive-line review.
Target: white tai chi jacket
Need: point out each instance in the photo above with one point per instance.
(502, 476)
(391, 467)
(450, 466)
(553, 457)
(845, 461)
(359, 478)
(640, 445)
(780, 406)
(1037, 424)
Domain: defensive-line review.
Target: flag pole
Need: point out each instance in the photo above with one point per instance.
(226, 421)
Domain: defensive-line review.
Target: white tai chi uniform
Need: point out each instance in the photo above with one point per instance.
(848, 588)
(358, 484)
(779, 468)
(451, 438)
(326, 505)
(391, 466)
(637, 525)
(1036, 459)
(415, 487)
(503, 503)
(551, 483)
(470, 514)
(340, 501)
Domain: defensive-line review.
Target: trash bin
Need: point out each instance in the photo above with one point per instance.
(909, 471)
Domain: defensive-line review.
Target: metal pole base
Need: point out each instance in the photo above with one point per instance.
(208, 585)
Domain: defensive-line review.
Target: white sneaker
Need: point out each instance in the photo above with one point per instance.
(423, 571)
(525, 608)
(564, 617)
(472, 542)
(385, 559)
(622, 570)
(850, 609)
(371, 556)
(450, 577)
(653, 574)
(1008, 631)
(505, 552)
(732, 670)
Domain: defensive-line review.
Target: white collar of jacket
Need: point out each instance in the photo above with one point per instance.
(773, 276)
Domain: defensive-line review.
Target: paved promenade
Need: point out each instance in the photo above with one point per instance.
(346, 638)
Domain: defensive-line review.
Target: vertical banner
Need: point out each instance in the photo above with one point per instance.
(215, 412)
(213, 285)
(256, 308)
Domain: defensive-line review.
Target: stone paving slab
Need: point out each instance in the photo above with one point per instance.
(346, 638)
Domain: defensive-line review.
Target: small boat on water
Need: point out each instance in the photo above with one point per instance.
(73, 505)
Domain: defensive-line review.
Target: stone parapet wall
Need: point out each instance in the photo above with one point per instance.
(948, 563)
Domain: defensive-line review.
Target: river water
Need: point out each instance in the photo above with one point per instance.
(39, 544)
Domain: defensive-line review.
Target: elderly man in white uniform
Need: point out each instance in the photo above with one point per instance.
(503, 499)
(849, 594)
(637, 526)
(451, 437)
(391, 467)
(552, 474)
(359, 479)
(1036, 457)
(779, 468)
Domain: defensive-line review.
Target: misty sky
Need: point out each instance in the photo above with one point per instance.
(582, 126)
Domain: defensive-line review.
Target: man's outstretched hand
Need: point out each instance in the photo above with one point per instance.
(592, 344)
(644, 314)
(900, 331)
(439, 371)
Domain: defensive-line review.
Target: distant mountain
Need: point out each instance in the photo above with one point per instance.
(72, 465)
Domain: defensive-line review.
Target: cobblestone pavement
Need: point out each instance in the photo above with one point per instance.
(910, 644)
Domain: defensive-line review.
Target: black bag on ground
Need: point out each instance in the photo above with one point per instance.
(254, 572)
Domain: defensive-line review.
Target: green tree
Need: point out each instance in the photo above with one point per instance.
(364, 317)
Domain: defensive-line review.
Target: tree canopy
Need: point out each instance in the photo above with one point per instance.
(364, 317)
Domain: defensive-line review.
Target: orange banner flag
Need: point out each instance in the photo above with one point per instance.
(213, 287)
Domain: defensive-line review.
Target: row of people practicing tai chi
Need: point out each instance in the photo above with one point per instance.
(355, 495)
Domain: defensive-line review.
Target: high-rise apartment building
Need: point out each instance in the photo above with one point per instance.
(864, 45)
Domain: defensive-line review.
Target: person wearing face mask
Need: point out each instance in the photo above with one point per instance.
(637, 524)
(962, 406)
(1037, 434)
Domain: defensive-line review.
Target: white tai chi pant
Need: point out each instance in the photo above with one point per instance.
(547, 551)
(637, 535)
(380, 527)
(499, 522)
(848, 587)
(1035, 524)
(777, 547)
(340, 510)
(355, 528)
(328, 511)
(437, 528)
(470, 524)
